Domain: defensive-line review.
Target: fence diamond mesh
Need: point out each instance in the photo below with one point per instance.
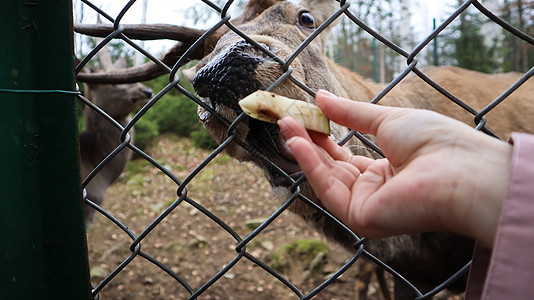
(187, 223)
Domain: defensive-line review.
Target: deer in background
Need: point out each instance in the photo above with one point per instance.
(231, 67)
(101, 136)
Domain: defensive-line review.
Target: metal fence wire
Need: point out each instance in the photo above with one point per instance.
(139, 246)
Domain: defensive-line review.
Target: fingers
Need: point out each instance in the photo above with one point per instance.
(331, 184)
(359, 116)
(327, 150)
(289, 128)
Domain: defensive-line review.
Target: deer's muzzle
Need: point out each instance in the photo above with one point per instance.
(229, 77)
(232, 75)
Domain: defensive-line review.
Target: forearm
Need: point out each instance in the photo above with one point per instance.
(510, 273)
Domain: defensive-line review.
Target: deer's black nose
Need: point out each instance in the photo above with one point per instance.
(229, 77)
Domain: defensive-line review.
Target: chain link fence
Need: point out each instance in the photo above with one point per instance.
(202, 213)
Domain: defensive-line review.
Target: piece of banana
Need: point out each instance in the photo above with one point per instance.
(270, 107)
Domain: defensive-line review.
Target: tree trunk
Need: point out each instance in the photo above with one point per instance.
(405, 33)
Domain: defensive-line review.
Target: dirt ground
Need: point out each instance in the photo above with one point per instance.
(195, 247)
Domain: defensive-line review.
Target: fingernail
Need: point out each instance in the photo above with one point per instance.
(282, 122)
(284, 132)
(326, 93)
(292, 140)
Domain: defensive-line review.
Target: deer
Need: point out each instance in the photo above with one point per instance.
(232, 65)
(101, 137)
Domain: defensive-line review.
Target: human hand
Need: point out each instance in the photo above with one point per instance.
(439, 175)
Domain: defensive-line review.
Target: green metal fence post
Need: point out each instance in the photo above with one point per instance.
(43, 248)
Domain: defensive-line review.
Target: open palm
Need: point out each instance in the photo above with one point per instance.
(436, 173)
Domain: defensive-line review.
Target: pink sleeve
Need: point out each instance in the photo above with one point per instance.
(510, 272)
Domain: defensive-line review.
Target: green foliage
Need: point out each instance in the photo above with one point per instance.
(173, 113)
(351, 49)
(305, 250)
(145, 132)
(517, 54)
(477, 43)
(471, 51)
(80, 107)
(176, 114)
(203, 139)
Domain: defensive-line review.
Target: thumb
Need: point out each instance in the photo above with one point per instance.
(359, 116)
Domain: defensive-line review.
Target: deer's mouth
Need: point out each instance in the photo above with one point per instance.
(264, 145)
(225, 80)
(265, 139)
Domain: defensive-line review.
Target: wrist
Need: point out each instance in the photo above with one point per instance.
(487, 178)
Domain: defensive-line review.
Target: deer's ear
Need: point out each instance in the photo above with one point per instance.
(120, 63)
(253, 9)
(190, 73)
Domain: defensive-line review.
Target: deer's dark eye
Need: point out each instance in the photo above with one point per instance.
(306, 19)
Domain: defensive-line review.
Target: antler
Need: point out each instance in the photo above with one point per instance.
(150, 70)
(186, 37)
(143, 72)
(104, 55)
(143, 32)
